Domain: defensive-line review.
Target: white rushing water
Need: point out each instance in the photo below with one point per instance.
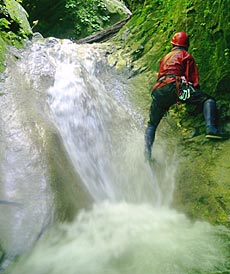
(130, 228)
(90, 110)
(126, 238)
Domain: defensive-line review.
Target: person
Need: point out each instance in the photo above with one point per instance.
(178, 81)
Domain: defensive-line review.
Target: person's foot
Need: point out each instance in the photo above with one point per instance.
(214, 136)
(149, 159)
(147, 155)
(212, 133)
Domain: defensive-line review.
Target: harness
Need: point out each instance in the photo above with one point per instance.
(162, 78)
(183, 89)
(178, 81)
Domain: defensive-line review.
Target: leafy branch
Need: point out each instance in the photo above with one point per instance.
(88, 15)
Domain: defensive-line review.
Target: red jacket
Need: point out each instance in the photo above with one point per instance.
(177, 62)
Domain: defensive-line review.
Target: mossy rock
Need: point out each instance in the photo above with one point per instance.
(202, 188)
(18, 14)
(117, 9)
(2, 54)
(14, 30)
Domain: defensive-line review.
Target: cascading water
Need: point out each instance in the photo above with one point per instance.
(130, 228)
(97, 130)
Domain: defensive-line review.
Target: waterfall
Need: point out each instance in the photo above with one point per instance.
(90, 109)
(128, 227)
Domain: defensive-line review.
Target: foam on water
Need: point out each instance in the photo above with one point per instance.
(131, 239)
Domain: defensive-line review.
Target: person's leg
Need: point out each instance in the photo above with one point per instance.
(208, 104)
(210, 115)
(163, 98)
(156, 114)
(149, 139)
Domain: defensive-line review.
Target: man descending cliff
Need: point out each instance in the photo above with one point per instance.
(178, 82)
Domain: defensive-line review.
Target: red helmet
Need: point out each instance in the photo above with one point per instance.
(180, 39)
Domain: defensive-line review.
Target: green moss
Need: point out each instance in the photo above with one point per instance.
(2, 54)
(203, 189)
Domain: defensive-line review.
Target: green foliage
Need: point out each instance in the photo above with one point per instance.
(11, 28)
(4, 20)
(51, 17)
(88, 15)
(4, 24)
(2, 54)
(73, 19)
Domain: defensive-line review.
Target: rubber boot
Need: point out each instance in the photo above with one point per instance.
(149, 139)
(209, 111)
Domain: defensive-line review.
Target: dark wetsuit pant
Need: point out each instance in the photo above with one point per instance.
(163, 99)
